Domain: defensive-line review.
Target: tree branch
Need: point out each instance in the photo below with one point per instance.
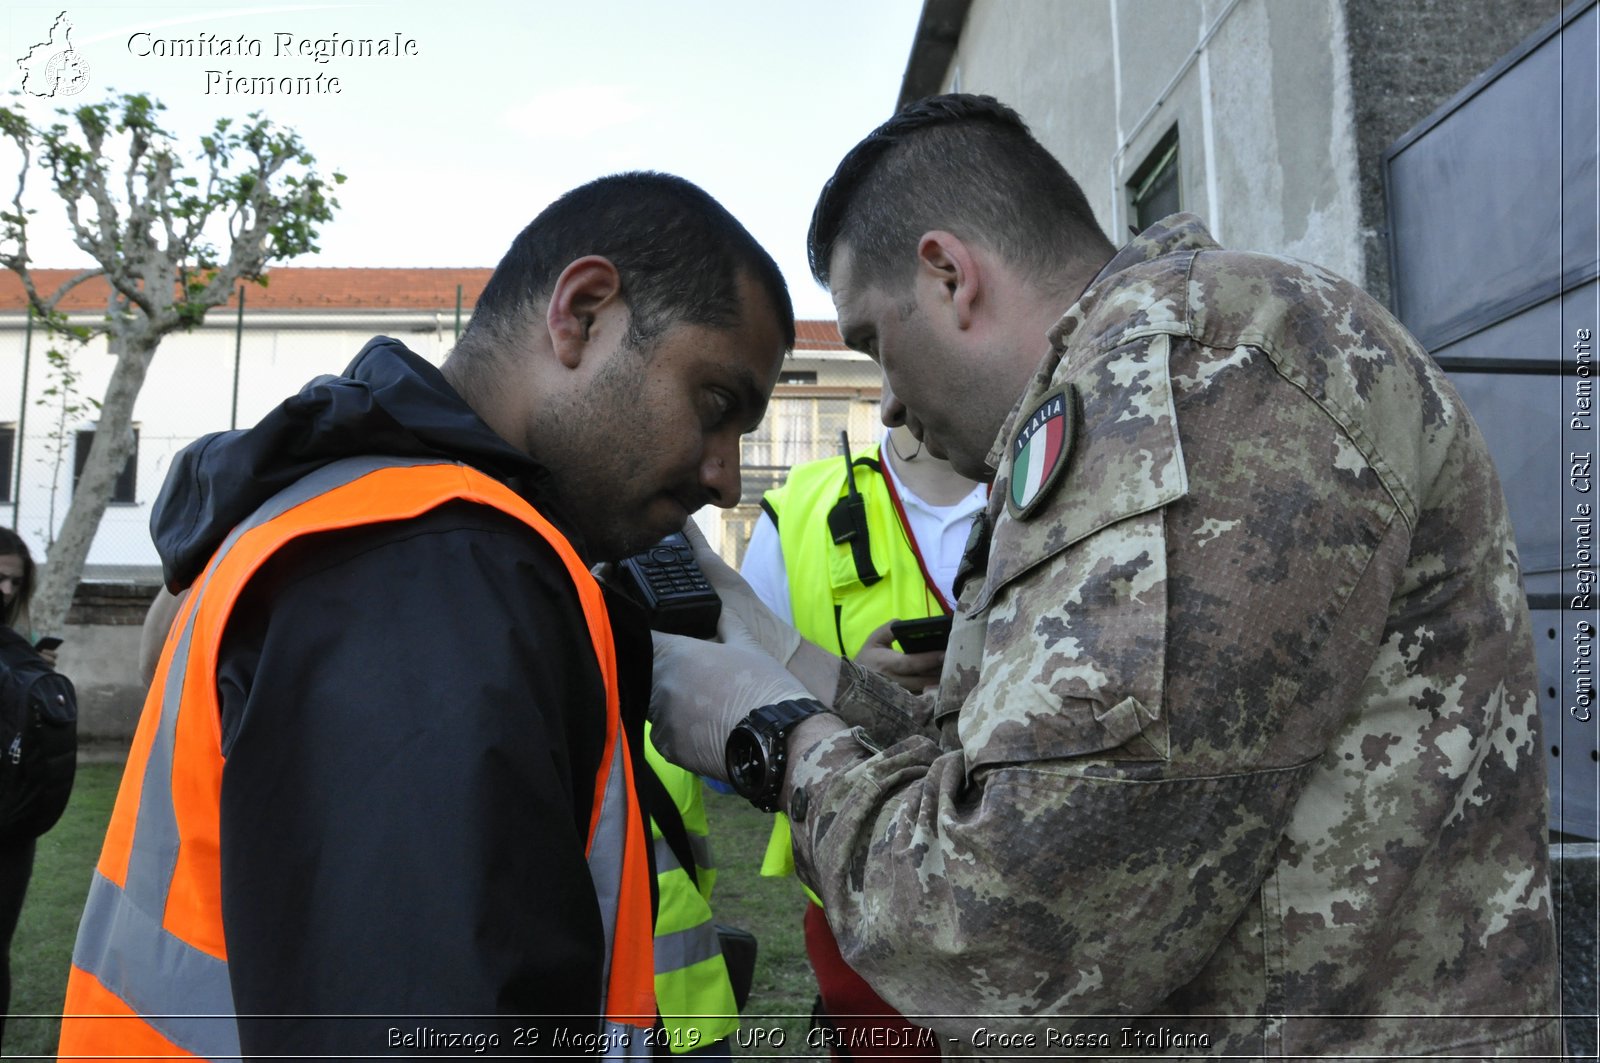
(151, 229)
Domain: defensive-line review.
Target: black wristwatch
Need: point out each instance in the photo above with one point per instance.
(758, 749)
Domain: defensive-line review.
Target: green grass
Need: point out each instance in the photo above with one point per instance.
(42, 949)
(770, 908)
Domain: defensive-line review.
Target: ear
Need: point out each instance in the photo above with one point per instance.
(946, 261)
(583, 289)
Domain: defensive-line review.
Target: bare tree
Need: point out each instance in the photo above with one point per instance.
(171, 244)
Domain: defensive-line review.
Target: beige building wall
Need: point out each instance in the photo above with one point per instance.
(1259, 91)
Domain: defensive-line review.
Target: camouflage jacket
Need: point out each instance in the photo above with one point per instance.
(1237, 729)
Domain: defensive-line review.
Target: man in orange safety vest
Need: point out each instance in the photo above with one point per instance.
(386, 766)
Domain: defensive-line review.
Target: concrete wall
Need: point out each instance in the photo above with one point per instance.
(1283, 113)
(1405, 61)
(100, 654)
(1259, 89)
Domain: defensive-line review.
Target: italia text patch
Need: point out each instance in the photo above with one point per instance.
(1040, 449)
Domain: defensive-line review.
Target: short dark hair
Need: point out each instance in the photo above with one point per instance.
(678, 252)
(964, 163)
(12, 543)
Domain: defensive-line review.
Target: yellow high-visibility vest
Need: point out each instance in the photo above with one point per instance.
(841, 620)
(692, 986)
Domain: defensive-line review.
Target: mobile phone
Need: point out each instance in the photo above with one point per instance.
(666, 581)
(49, 642)
(922, 636)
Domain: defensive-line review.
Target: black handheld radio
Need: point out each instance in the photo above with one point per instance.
(666, 581)
(924, 635)
(847, 520)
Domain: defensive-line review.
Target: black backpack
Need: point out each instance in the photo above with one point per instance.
(38, 740)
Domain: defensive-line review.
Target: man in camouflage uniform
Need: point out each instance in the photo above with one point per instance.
(1237, 726)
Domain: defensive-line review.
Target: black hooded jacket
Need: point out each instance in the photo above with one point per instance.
(412, 718)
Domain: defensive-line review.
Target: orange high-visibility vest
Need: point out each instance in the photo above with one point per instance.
(150, 970)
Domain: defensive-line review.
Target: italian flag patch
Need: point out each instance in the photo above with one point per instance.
(1040, 449)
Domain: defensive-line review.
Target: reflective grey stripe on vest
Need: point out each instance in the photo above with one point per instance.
(177, 989)
(163, 979)
(605, 857)
(685, 948)
(699, 848)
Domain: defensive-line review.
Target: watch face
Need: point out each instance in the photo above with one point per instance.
(746, 762)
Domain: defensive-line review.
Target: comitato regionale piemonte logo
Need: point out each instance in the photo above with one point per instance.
(54, 67)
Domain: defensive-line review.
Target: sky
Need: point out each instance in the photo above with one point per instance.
(497, 108)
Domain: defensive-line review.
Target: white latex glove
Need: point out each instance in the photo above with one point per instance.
(745, 618)
(701, 690)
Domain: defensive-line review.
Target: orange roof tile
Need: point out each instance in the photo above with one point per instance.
(291, 288)
(818, 336)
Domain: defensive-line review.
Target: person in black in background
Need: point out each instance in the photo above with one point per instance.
(17, 577)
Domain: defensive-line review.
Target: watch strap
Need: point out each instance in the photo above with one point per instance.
(782, 717)
(770, 726)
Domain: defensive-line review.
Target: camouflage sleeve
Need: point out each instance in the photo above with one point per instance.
(1135, 696)
(883, 708)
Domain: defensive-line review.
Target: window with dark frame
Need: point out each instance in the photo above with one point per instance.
(1154, 191)
(8, 459)
(127, 481)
